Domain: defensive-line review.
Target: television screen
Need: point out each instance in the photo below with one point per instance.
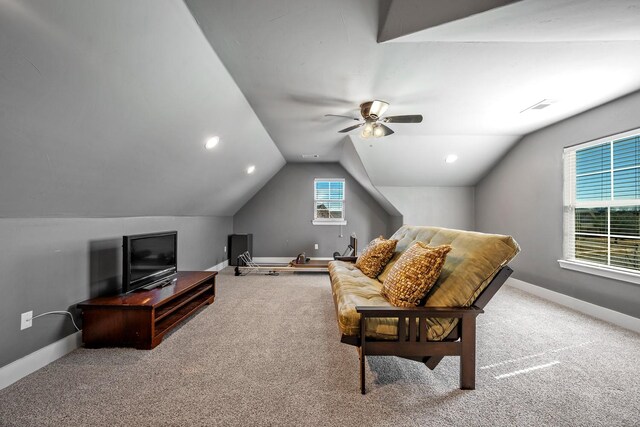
(148, 259)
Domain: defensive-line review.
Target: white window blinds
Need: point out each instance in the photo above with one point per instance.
(602, 202)
(329, 198)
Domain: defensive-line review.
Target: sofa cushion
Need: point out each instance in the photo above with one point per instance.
(376, 256)
(475, 258)
(351, 288)
(414, 273)
(385, 273)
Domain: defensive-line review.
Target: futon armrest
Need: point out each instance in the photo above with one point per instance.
(346, 258)
(454, 312)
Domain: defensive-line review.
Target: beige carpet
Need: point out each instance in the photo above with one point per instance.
(267, 352)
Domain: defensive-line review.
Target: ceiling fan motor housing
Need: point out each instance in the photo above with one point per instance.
(372, 110)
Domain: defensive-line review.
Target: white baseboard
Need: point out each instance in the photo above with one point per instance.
(602, 313)
(219, 267)
(14, 371)
(30, 363)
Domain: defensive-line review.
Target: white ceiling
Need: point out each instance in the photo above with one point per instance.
(471, 78)
(429, 166)
(105, 107)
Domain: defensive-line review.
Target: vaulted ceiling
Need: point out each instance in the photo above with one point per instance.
(469, 67)
(105, 105)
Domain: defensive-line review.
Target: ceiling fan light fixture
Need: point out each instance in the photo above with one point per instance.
(367, 130)
(373, 122)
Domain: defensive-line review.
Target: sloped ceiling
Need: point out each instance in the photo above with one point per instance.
(412, 16)
(519, 21)
(469, 67)
(352, 162)
(105, 107)
(415, 171)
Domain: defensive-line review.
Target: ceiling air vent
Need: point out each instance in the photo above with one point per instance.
(310, 156)
(540, 105)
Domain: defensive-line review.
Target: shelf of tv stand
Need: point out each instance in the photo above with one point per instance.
(141, 319)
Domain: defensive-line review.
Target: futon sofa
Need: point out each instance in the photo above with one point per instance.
(444, 323)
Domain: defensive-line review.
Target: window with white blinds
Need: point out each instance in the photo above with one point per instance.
(602, 202)
(329, 198)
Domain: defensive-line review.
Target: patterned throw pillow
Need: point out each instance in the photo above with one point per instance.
(375, 256)
(413, 275)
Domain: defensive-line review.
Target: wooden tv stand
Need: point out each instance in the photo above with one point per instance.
(141, 319)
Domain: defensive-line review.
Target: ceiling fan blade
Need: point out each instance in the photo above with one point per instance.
(387, 130)
(340, 115)
(350, 128)
(414, 118)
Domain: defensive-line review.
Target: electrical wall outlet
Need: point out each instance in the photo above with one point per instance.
(26, 319)
(316, 246)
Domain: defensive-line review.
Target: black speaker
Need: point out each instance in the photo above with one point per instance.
(239, 244)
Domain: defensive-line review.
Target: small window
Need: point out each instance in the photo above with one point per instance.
(328, 203)
(602, 203)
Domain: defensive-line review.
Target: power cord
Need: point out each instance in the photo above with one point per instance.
(59, 312)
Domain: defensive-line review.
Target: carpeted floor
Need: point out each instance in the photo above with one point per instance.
(267, 352)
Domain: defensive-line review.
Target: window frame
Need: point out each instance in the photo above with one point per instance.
(570, 204)
(330, 221)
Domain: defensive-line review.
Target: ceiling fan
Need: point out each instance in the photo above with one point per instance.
(372, 112)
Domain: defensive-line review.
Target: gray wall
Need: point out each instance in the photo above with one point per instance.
(52, 264)
(522, 196)
(450, 207)
(280, 214)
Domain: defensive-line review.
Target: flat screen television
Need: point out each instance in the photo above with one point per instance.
(149, 260)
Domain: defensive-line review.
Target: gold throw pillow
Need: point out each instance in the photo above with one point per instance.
(375, 256)
(414, 274)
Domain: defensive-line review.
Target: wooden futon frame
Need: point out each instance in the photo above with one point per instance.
(414, 346)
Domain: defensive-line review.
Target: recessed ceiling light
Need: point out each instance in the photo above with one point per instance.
(451, 158)
(251, 169)
(211, 142)
(540, 105)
